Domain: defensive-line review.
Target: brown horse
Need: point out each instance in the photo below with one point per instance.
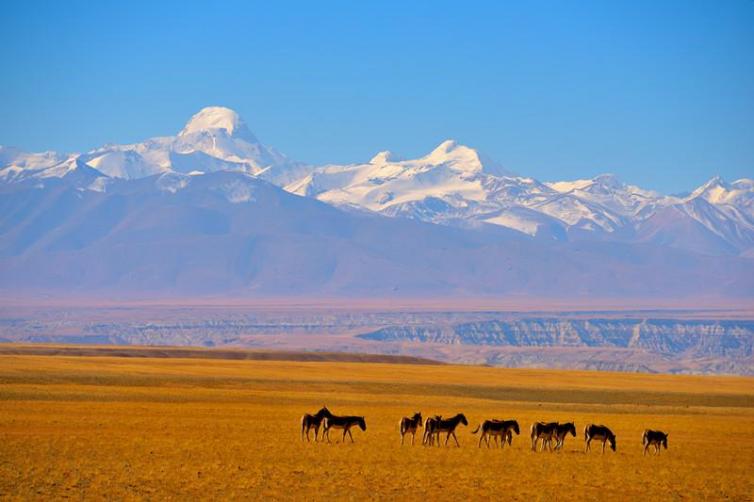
(497, 428)
(561, 431)
(654, 438)
(543, 431)
(600, 433)
(309, 422)
(449, 425)
(345, 423)
(409, 425)
(430, 431)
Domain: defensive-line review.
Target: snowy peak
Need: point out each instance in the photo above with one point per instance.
(455, 156)
(383, 157)
(218, 118)
(716, 190)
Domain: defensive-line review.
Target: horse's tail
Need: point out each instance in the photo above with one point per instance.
(586, 432)
(533, 430)
(402, 426)
(477, 429)
(644, 437)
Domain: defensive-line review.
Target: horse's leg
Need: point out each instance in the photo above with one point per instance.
(646, 446)
(316, 433)
(588, 447)
(350, 434)
(603, 447)
(456, 438)
(413, 437)
(402, 436)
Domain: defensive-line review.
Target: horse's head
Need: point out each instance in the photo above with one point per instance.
(362, 423)
(515, 427)
(418, 417)
(324, 412)
(665, 441)
(613, 442)
(571, 427)
(462, 418)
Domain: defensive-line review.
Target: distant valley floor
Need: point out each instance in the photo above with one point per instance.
(676, 340)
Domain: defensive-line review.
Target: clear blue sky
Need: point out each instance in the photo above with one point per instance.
(659, 92)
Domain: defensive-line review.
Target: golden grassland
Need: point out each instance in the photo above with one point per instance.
(147, 428)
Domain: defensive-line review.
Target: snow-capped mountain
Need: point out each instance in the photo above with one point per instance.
(231, 233)
(215, 139)
(452, 185)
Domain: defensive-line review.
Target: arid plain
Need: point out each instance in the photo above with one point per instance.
(95, 427)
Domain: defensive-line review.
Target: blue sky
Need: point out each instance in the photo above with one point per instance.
(660, 93)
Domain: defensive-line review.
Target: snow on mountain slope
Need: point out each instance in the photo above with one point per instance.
(452, 185)
(736, 199)
(230, 233)
(17, 165)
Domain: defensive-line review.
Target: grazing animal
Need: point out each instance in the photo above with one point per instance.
(449, 426)
(600, 433)
(497, 428)
(545, 432)
(561, 431)
(345, 423)
(409, 426)
(430, 431)
(654, 438)
(309, 422)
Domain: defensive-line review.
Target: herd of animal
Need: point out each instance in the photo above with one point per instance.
(501, 431)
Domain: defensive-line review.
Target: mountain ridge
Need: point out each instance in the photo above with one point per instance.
(451, 184)
(214, 211)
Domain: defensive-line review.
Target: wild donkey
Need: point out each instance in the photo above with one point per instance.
(430, 431)
(561, 431)
(449, 425)
(497, 428)
(600, 433)
(309, 422)
(543, 431)
(345, 423)
(654, 438)
(409, 426)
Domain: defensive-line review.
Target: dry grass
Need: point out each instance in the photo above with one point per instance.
(107, 427)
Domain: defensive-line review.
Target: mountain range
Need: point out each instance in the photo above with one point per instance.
(214, 211)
